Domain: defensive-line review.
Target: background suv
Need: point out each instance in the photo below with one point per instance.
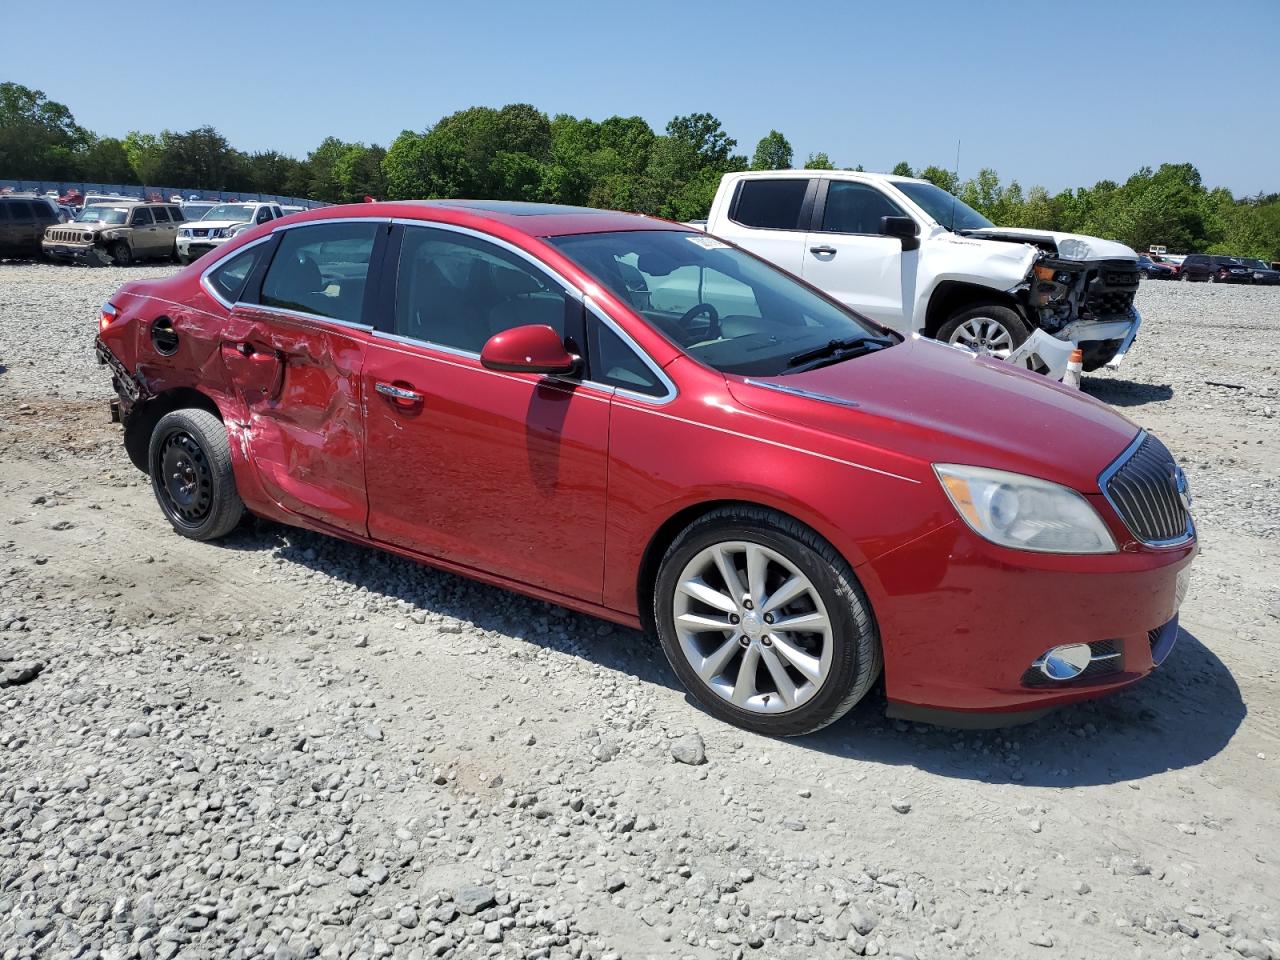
(220, 224)
(117, 233)
(23, 220)
(1202, 266)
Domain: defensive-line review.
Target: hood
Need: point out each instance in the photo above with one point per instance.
(215, 224)
(940, 404)
(1068, 246)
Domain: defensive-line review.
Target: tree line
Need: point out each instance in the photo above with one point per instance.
(517, 152)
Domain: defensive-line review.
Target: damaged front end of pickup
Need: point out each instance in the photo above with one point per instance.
(1079, 293)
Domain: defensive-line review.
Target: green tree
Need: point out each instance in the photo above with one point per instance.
(106, 161)
(940, 178)
(818, 161)
(146, 156)
(902, 169)
(200, 158)
(773, 152)
(39, 138)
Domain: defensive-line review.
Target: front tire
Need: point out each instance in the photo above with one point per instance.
(988, 329)
(121, 255)
(764, 622)
(190, 465)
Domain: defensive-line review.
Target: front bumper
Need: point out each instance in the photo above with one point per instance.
(962, 621)
(74, 252)
(192, 248)
(1054, 349)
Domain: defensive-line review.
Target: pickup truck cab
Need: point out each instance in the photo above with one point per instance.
(916, 259)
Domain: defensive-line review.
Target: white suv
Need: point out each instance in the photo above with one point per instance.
(220, 224)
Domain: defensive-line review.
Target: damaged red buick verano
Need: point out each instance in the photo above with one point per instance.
(644, 423)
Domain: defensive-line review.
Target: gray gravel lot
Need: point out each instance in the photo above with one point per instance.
(286, 746)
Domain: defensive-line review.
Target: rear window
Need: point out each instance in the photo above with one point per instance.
(770, 204)
(175, 214)
(322, 270)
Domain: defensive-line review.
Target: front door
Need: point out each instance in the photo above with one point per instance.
(497, 471)
(145, 232)
(293, 353)
(847, 257)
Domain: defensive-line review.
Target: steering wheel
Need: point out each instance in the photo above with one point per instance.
(713, 319)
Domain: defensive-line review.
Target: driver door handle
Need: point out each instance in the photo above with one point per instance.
(823, 249)
(398, 393)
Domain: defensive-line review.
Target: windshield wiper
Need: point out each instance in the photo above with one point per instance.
(835, 351)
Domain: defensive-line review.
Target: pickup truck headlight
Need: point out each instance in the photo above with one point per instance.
(1024, 513)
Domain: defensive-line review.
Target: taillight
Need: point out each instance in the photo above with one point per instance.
(109, 313)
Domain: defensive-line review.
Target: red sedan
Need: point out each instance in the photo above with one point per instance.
(644, 423)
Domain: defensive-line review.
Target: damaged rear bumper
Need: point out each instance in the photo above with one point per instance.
(129, 389)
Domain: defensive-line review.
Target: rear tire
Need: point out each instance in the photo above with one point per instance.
(753, 672)
(190, 465)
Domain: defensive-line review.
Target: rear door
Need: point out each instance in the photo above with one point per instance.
(164, 232)
(847, 256)
(500, 472)
(293, 351)
(770, 217)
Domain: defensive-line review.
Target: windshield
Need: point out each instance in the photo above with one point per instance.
(943, 207)
(238, 212)
(724, 307)
(103, 215)
(1256, 264)
(196, 211)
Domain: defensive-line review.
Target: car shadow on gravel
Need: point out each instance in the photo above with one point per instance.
(1180, 716)
(1126, 393)
(426, 589)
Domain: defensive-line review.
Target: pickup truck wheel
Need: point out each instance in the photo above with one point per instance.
(764, 622)
(191, 476)
(988, 329)
(121, 255)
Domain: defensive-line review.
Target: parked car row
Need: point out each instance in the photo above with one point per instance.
(1210, 268)
(120, 231)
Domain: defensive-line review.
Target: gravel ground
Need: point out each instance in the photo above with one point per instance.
(286, 746)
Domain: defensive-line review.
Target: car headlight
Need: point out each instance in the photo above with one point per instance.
(1024, 513)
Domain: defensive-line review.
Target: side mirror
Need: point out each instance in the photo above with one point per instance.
(534, 348)
(904, 228)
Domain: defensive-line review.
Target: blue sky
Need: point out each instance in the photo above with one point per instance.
(1061, 94)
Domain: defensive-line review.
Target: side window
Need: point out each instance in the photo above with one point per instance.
(4, 210)
(229, 277)
(458, 291)
(20, 209)
(856, 208)
(770, 204)
(264, 214)
(616, 363)
(161, 214)
(322, 270)
(175, 214)
(46, 211)
(141, 217)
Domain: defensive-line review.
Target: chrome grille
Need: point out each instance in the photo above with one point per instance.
(1146, 487)
(66, 236)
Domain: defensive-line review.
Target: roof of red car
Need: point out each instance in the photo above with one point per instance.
(534, 219)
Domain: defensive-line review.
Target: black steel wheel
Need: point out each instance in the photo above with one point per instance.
(191, 474)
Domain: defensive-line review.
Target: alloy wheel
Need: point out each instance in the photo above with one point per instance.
(186, 478)
(752, 627)
(984, 335)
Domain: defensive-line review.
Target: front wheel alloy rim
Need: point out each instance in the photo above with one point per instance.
(186, 479)
(985, 336)
(752, 627)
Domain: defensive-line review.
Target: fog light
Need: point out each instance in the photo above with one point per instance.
(1066, 662)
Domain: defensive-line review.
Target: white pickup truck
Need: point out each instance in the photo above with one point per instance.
(912, 257)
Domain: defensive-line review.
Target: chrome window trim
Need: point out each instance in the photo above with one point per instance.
(207, 285)
(305, 315)
(1112, 469)
(670, 392)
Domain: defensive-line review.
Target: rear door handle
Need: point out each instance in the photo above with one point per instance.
(824, 249)
(398, 393)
